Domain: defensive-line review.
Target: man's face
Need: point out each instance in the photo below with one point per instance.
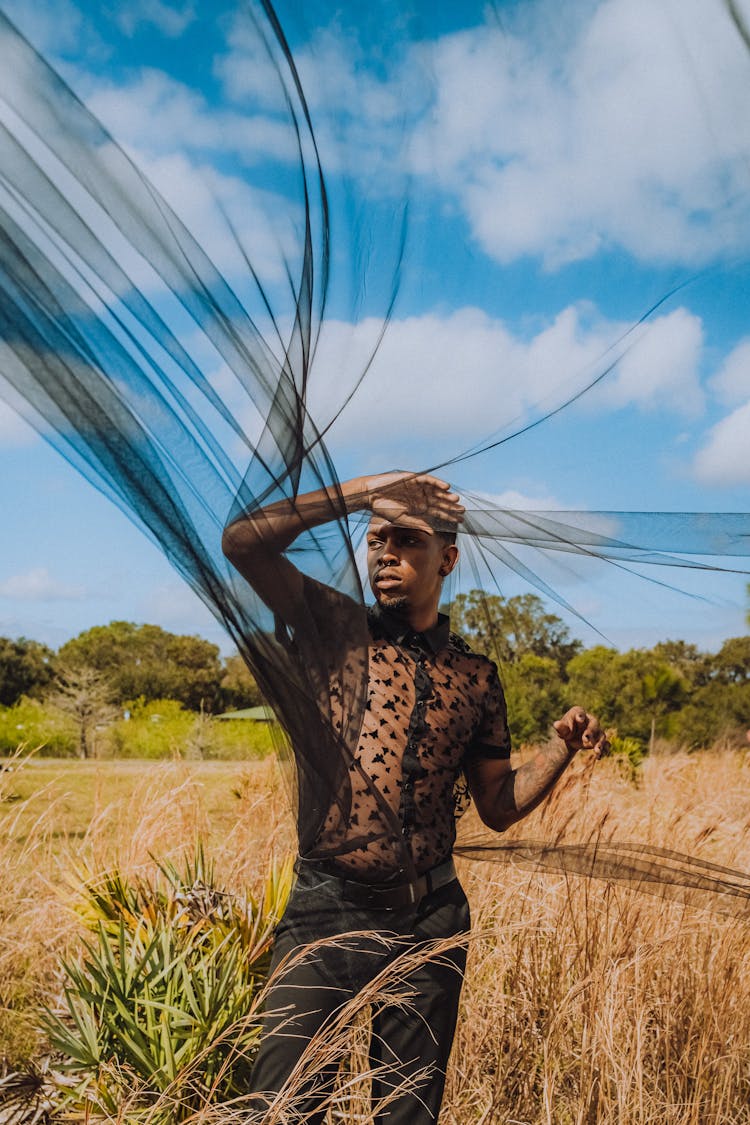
(406, 567)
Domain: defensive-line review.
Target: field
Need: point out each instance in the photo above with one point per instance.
(584, 1002)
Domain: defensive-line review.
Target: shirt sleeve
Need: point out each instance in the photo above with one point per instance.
(492, 738)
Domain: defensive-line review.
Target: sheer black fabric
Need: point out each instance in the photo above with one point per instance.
(112, 316)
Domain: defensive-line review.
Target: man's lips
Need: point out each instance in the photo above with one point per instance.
(386, 579)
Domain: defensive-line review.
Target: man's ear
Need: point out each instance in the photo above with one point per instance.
(450, 558)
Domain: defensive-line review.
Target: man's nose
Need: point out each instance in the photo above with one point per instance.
(389, 550)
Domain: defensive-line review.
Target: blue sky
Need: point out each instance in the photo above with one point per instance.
(563, 175)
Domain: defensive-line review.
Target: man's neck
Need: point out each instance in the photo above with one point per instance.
(418, 620)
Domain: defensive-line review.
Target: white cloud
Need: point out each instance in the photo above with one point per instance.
(170, 19)
(632, 134)
(361, 115)
(38, 585)
(660, 370)
(624, 129)
(731, 383)
(155, 113)
(246, 69)
(175, 138)
(466, 375)
(203, 199)
(514, 500)
(725, 458)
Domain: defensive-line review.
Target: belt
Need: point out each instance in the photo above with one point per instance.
(389, 896)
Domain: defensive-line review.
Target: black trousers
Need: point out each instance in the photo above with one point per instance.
(406, 1038)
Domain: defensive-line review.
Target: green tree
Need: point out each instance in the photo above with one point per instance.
(507, 629)
(535, 694)
(238, 686)
(634, 691)
(145, 661)
(531, 646)
(719, 707)
(694, 666)
(664, 690)
(731, 665)
(716, 712)
(26, 668)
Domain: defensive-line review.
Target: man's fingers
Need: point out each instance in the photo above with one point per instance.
(571, 724)
(581, 731)
(421, 501)
(415, 523)
(434, 482)
(449, 503)
(592, 733)
(602, 747)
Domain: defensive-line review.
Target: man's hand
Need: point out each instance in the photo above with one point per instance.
(423, 502)
(581, 731)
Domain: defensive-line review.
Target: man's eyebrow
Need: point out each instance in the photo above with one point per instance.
(375, 527)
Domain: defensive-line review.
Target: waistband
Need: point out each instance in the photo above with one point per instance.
(388, 896)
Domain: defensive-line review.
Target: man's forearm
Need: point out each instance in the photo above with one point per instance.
(526, 787)
(534, 780)
(273, 528)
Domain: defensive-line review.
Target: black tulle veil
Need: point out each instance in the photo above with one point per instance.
(104, 291)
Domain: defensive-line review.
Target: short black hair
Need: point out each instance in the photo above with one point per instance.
(448, 537)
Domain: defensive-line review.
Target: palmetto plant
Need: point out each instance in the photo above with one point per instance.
(160, 1012)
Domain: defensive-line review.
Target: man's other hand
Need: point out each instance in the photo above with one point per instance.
(421, 501)
(581, 731)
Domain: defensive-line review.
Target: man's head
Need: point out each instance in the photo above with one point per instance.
(406, 568)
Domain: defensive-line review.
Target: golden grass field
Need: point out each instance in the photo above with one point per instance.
(583, 1002)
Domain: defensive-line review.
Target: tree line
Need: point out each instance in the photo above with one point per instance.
(136, 661)
(672, 691)
(109, 671)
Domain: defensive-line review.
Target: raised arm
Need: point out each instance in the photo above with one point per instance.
(255, 543)
(504, 795)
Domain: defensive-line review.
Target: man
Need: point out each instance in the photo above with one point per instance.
(408, 708)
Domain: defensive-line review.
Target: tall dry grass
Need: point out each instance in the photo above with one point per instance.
(583, 1002)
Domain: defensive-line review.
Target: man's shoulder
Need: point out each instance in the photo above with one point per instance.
(458, 644)
(324, 616)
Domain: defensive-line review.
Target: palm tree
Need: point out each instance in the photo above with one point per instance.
(664, 690)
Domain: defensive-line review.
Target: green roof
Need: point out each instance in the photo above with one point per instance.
(261, 714)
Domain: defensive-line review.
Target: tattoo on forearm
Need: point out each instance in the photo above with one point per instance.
(525, 787)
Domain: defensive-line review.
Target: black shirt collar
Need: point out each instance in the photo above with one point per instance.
(395, 628)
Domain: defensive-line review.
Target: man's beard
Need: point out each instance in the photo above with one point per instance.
(394, 604)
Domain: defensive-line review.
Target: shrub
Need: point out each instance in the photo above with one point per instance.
(162, 728)
(34, 724)
(159, 1014)
(157, 729)
(629, 754)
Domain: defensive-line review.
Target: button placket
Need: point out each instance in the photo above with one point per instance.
(411, 767)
